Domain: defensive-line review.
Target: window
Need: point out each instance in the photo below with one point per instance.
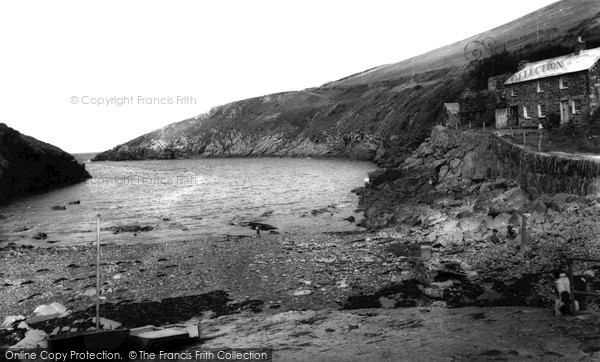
(538, 87)
(576, 106)
(541, 110)
(527, 112)
(563, 83)
(513, 92)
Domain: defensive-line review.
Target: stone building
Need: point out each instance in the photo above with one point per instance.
(477, 109)
(451, 117)
(565, 88)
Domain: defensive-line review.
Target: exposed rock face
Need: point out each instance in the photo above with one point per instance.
(440, 174)
(459, 186)
(28, 165)
(367, 122)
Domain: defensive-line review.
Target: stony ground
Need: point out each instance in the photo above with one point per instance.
(412, 334)
(302, 286)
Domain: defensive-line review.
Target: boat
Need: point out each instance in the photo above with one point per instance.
(147, 337)
(97, 340)
(88, 341)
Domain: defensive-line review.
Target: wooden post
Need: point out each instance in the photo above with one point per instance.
(98, 277)
(570, 274)
(540, 142)
(524, 241)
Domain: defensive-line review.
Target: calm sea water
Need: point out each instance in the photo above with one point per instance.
(186, 199)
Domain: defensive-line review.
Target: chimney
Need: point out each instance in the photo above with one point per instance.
(579, 46)
(522, 64)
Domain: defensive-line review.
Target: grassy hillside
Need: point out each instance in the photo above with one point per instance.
(558, 23)
(379, 115)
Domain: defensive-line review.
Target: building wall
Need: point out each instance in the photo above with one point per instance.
(479, 108)
(452, 120)
(551, 95)
(594, 92)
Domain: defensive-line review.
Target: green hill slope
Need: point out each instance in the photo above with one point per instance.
(377, 115)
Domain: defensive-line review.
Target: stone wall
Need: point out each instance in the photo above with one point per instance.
(540, 173)
(594, 92)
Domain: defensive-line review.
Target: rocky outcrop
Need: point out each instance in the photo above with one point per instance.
(378, 122)
(449, 167)
(28, 165)
(474, 179)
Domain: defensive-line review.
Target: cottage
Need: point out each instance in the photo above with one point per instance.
(451, 118)
(565, 88)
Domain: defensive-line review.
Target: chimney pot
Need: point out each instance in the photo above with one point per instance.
(579, 46)
(522, 64)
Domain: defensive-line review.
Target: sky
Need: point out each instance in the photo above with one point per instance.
(86, 76)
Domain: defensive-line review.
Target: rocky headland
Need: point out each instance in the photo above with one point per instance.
(28, 166)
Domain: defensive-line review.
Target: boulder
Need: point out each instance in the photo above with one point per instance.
(34, 338)
(457, 236)
(501, 221)
(439, 137)
(10, 320)
(381, 176)
(443, 172)
(261, 226)
(40, 236)
(515, 220)
(129, 228)
(539, 206)
(471, 223)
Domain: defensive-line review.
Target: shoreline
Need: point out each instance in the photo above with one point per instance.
(303, 294)
(151, 271)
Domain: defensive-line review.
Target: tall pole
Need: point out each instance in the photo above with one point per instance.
(98, 277)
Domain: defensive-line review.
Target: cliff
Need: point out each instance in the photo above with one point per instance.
(28, 165)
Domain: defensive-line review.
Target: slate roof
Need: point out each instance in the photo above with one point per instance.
(569, 63)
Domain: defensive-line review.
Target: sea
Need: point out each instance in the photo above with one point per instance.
(189, 199)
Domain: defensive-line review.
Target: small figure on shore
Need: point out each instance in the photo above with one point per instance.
(258, 231)
(562, 305)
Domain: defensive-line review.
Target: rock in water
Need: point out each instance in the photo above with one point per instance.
(261, 226)
(129, 228)
(40, 236)
(28, 165)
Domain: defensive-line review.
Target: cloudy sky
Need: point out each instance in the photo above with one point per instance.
(65, 66)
